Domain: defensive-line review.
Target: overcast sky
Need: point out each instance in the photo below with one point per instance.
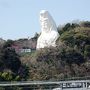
(20, 18)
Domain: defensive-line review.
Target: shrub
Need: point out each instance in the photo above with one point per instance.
(87, 51)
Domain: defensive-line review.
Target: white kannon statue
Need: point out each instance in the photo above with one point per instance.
(49, 33)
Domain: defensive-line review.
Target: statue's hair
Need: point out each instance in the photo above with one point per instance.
(45, 15)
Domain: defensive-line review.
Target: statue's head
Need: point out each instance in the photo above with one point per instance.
(46, 21)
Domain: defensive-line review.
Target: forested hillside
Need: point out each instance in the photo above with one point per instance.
(70, 58)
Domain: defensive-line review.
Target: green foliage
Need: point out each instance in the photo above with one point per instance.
(53, 63)
(17, 78)
(68, 38)
(23, 72)
(87, 51)
(8, 43)
(67, 27)
(69, 59)
(10, 64)
(11, 59)
(7, 76)
(85, 24)
(72, 56)
(1, 88)
(36, 36)
(78, 37)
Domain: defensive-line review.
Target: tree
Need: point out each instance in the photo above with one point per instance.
(36, 36)
(85, 24)
(67, 27)
(11, 59)
(8, 43)
(72, 56)
(87, 51)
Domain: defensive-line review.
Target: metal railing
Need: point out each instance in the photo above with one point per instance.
(47, 85)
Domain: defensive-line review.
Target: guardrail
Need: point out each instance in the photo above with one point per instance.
(49, 85)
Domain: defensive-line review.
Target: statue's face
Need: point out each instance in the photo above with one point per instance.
(45, 25)
(44, 20)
